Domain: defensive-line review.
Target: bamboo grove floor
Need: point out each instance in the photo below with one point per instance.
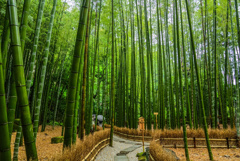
(47, 151)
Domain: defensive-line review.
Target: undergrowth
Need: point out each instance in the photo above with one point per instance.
(79, 152)
(178, 133)
(159, 154)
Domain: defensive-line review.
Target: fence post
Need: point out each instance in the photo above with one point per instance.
(227, 143)
(161, 140)
(237, 140)
(194, 142)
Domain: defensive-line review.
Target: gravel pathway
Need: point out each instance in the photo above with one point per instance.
(119, 144)
(132, 155)
(108, 153)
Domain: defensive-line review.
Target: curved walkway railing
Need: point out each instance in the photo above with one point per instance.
(94, 152)
(87, 149)
(225, 138)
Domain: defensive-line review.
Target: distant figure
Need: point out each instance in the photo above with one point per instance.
(93, 119)
(99, 119)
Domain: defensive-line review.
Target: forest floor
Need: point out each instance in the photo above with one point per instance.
(48, 151)
(202, 154)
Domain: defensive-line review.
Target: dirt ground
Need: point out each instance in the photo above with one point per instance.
(46, 150)
(202, 154)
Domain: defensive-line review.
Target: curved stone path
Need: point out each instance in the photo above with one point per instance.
(122, 150)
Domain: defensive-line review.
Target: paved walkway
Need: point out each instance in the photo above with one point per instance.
(122, 150)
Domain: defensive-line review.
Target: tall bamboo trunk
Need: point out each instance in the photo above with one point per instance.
(5, 152)
(20, 83)
(74, 75)
(181, 86)
(35, 45)
(43, 72)
(112, 82)
(199, 83)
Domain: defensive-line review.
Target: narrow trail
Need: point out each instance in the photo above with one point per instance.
(122, 150)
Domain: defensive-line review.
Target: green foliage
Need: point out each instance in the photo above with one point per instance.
(153, 62)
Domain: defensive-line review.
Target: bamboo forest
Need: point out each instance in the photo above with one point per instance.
(119, 80)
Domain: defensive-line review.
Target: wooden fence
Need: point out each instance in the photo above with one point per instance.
(96, 149)
(134, 137)
(179, 143)
(198, 143)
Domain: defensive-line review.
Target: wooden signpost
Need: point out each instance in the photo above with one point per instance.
(142, 128)
(156, 113)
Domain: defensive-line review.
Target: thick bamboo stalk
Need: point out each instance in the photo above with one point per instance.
(5, 151)
(12, 103)
(20, 83)
(85, 65)
(74, 75)
(5, 41)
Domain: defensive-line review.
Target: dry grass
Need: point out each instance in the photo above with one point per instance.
(107, 126)
(128, 131)
(98, 128)
(48, 151)
(197, 133)
(159, 154)
(80, 151)
(201, 154)
(178, 133)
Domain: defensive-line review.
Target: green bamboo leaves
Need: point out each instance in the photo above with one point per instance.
(148, 61)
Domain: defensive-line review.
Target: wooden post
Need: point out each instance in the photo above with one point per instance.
(227, 143)
(156, 113)
(143, 139)
(194, 142)
(161, 140)
(142, 128)
(237, 140)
